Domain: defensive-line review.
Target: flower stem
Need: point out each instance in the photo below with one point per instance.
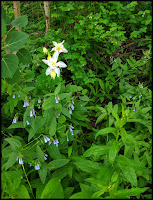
(28, 181)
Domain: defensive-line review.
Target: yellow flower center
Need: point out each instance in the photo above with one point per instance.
(53, 63)
(53, 74)
(58, 48)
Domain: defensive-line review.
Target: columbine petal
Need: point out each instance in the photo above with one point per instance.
(61, 64)
(55, 56)
(54, 43)
(57, 71)
(48, 71)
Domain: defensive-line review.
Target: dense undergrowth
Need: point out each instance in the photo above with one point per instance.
(87, 133)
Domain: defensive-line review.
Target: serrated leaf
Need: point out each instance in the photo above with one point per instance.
(84, 98)
(105, 131)
(9, 65)
(101, 117)
(20, 21)
(16, 40)
(113, 151)
(96, 150)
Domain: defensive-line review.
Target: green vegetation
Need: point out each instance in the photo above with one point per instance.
(87, 133)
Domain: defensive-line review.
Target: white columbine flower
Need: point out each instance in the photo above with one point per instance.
(59, 47)
(53, 66)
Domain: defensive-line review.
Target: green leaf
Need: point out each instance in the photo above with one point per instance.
(49, 103)
(129, 192)
(96, 150)
(53, 190)
(55, 164)
(130, 175)
(81, 195)
(84, 98)
(106, 131)
(3, 28)
(87, 165)
(16, 125)
(66, 112)
(14, 142)
(57, 90)
(16, 40)
(22, 192)
(54, 151)
(52, 128)
(40, 154)
(11, 160)
(20, 21)
(101, 117)
(9, 65)
(24, 56)
(62, 119)
(114, 149)
(43, 172)
(63, 95)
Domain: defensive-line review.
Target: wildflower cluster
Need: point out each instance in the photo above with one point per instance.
(54, 66)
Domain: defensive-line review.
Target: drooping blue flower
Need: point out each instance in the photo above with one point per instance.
(71, 130)
(67, 138)
(27, 122)
(21, 177)
(39, 100)
(56, 100)
(30, 164)
(20, 161)
(31, 114)
(46, 139)
(70, 111)
(29, 97)
(134, 109)
(13, 97)
(56, 142)
(72, 107)
(26, 103)
(14, 120)
(37, 167)
(130, 97)
(58, 115)
(18, 95)
(45, 156)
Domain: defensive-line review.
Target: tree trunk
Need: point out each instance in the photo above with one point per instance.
(47, 15)
(16, 6)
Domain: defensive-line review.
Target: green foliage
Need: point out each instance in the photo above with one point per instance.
(87, 133)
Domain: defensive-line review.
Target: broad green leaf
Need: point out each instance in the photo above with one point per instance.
(9, 65)
(101, 117)
(113, 151)
(105, 131)
(11, 160)
(53, 190)
(63, 95)
(55, 164)
(9, 189)
(49, 103)
(31, 134)
(96, 150)
(129, 192)
(67, 192)
(22, 192)
(54, 151)
(16, 40)
(3, 28)
(82, 195)
(16, 125)
(84, 98)
(62, 119)
(40, 154)
(14, 142)
(101, 83)
(20, 21)
(57, 90)
(43, 172)
(24, 56)
(87, 165)
(52, 128)
(66, 112)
